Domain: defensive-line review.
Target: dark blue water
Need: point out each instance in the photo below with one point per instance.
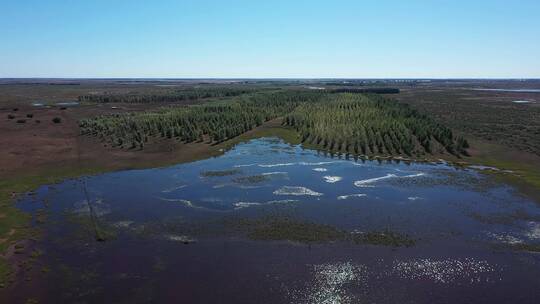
(169, 237)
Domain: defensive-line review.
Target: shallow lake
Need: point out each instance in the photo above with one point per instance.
(203, 232)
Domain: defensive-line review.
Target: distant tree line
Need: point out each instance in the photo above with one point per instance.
(166, 97)
(367, 90)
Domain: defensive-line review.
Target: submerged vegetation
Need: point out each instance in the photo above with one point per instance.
(290, 230)
(252, 179)
(346, 122)
(220, 173)
(277, 228)
(383, 238)
(526, 247)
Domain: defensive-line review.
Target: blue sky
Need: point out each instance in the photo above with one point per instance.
(304, 39)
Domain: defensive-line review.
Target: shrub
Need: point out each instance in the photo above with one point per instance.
(29, 115)
(38, 121)
(57, 120)
(10, 116)
(21, 121)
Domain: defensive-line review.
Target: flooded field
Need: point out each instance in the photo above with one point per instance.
(272, 223)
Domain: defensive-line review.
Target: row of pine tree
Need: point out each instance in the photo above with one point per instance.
(346, 122)
(371, 124)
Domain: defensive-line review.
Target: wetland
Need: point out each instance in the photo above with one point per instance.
(272, 222)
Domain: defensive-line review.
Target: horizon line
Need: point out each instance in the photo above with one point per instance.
(276, 78)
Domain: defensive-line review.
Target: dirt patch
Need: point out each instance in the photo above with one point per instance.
(40, 143)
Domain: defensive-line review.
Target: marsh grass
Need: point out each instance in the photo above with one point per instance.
(220, 173)
(291, 230)
(253, 179)
(504, 218)
(283, 228)
(526, 247)
(383, 238)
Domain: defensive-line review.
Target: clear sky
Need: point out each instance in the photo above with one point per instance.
(272, 38)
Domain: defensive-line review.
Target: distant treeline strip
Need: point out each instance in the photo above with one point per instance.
(353, 123)
(367, 90)
(165, 97)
